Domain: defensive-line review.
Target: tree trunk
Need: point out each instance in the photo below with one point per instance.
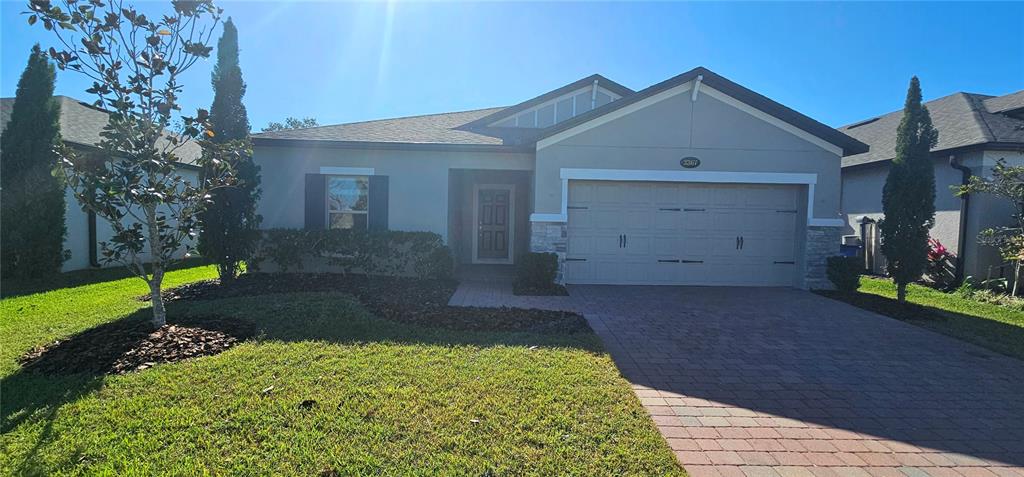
(1016, 278)
(901, 292)
(155, 293)
(157, 299)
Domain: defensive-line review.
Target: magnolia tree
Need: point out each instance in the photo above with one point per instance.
(1006, 182)
(135, 63)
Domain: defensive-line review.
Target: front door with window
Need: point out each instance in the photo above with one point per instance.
(493, 220)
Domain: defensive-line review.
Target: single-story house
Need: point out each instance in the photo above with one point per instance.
(695, 180)
(80, 127)
(975, 131)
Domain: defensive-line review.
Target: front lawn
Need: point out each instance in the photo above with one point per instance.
(996, 327)
(326, 388)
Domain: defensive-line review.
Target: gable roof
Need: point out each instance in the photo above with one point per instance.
(422, 129)
(468, 129)
(575, 85)
(740, 93)
(81, 124)
(962, 119)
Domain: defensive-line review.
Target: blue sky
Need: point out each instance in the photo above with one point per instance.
(342, 62)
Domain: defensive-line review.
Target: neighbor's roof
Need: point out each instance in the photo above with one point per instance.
(81, 124)
(468, 128)
(424, 129)
(962, 119)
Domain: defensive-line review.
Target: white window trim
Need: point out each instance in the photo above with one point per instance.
(511, 188)
(347, 171)
(327, 196)
(706, 177)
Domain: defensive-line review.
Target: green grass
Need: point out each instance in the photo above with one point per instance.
(391, 398)
(996, 327)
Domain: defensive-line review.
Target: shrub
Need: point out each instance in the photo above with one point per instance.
(537, 270)
(941, 265)
(394, 253)
(844, 272)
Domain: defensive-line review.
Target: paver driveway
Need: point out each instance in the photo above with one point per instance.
(767, 382)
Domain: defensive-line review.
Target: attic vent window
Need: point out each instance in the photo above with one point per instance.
(862, 123)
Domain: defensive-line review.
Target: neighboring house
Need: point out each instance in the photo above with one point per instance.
(975, 131)
(695, 180)
(80, 127)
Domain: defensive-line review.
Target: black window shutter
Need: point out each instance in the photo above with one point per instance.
(316, 201)
(378, 219)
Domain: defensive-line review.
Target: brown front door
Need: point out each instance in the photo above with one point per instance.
(493, 224)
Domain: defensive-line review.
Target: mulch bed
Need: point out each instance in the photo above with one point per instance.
(403, 300)
(132, 344)
(551, 290)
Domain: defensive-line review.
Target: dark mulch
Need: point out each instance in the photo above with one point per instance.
(403, 300)
(132, 344)
(553, 289)
(885, 306)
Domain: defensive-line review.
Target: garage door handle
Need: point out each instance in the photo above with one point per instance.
(625, 241)
(785, 263)
(737, 242)
(671, 209)
(741, 242)
(620, 240)
(575, 260)
(668, 261)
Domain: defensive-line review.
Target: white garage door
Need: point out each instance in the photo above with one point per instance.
(642, 233)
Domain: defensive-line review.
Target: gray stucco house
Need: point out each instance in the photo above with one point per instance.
(80, 127)
(695, 180)
(975, 131)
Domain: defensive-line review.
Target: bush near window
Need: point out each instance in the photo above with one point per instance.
(536, 273)
(394, 253)
(844, 272)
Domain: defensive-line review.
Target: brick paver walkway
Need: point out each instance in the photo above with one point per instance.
(778, 382)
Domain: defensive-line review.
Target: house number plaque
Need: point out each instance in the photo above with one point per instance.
(689, 162)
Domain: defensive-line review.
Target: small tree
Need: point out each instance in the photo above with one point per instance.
(1006, 182)
(32, 197)
(292, 123)
(135, 63)
(908, 198)
(229, 225)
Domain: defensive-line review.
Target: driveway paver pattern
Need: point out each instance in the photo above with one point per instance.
(768, 382)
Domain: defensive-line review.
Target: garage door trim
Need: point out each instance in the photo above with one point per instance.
(639, 175)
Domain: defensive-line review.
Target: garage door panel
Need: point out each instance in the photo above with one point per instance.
(679, 233)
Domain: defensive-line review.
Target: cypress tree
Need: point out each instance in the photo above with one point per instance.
(908, 198)
(230, 226)
(32, 201)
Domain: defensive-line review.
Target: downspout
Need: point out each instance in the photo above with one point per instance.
(93, 255)
(965, 201)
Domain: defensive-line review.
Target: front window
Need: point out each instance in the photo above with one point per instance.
(348, 201)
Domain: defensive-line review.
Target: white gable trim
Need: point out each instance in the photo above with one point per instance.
(774, 121)
(635, 175)
(618, 113)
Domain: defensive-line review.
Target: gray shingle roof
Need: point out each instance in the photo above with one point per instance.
(424, 129)
(962, 119)
(81, 123)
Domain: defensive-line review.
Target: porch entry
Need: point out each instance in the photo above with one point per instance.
(494, 211)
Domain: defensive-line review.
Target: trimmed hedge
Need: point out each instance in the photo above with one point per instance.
(537, 270)
(844, 272)
(392, 253)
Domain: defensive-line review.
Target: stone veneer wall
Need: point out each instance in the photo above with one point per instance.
(550, 237)
(822, 242)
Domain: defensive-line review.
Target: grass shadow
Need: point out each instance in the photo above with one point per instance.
(20, 287)
(993, 335)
